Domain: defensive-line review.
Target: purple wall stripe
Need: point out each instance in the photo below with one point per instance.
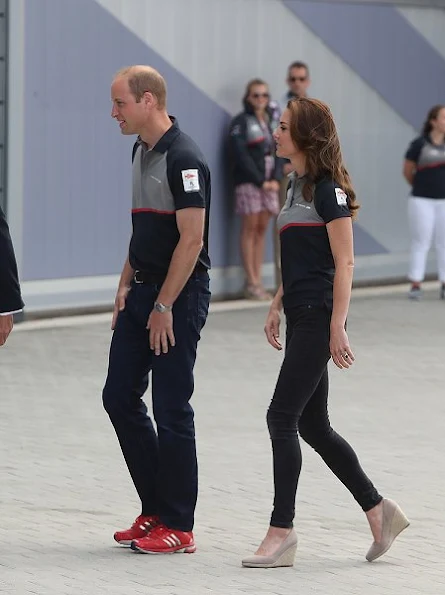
(365, 244)
(77, 166)
(384, 49)
(78, 187)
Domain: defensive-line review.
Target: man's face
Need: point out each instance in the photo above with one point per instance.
(130, 114)
(298, 81)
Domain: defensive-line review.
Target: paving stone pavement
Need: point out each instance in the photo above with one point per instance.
(64, 488)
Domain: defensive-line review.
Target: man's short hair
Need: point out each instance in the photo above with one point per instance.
(142, 79)
(298, 64)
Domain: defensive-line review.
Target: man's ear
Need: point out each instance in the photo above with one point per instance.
(149, 99)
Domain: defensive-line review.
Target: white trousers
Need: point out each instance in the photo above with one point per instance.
(426, 220)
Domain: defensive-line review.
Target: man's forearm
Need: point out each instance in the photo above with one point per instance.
(181, 267)
(126, 275)
(277, 302)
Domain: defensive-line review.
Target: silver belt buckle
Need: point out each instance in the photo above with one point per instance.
(136, 279)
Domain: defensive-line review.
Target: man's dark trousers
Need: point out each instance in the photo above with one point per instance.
(162, 465)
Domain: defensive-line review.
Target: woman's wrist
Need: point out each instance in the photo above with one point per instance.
(337, 324)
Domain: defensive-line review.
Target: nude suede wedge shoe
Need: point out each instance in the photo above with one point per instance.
(393, 523)
(284, 556)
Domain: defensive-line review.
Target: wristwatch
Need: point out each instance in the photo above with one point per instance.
(162, 308)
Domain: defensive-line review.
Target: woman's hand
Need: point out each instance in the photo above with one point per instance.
(272, 328)
(274, 186)
(341, 353)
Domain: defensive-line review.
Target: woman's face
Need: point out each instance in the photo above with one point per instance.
(439, 123)
(258, 97)
(285, 145)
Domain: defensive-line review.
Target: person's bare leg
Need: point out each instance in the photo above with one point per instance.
(260, 238)
(276, 535)
(247, 241)
(375, 519)
(274, 538)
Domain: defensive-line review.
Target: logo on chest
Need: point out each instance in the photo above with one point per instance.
(298, 204)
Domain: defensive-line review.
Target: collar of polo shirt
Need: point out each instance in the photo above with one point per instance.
(165, 141)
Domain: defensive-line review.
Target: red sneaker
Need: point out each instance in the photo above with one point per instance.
(162, 540)
(141, 526)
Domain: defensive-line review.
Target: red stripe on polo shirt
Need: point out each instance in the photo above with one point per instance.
(256, 141)
(302, 225)
(153, 211)
(431, 165)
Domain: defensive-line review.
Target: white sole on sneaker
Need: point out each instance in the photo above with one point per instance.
(184, 550)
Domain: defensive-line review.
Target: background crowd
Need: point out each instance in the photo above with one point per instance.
(261, 181)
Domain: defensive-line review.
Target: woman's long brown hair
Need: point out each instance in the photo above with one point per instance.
(313, 132)
(432, 115)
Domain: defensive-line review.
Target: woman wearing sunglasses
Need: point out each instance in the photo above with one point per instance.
(256, 175)
(317, 263)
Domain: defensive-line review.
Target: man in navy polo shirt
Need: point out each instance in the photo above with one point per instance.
(160, 308)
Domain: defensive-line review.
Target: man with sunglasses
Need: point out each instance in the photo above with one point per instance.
(298, 82)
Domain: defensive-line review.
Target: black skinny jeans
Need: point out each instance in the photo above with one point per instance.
(299, 404)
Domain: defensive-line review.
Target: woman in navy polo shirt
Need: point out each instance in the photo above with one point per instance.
(424, 170)
(317, 263)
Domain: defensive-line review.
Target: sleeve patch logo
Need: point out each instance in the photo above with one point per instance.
(341, 196)
(190, 180)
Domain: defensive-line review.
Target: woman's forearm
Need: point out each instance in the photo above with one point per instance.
(342, 294)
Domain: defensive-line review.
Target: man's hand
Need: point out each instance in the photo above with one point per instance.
(274, 186)
(6, 324)
(160, 327)
(119, 304)
(266, 186)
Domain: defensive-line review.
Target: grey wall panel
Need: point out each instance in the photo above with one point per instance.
(423, 4)
(77, 185)
(76, 189)
(351, 33)
(429, 23)
(221, 57)
(77, 174)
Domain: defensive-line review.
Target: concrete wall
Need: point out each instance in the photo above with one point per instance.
(380, 69)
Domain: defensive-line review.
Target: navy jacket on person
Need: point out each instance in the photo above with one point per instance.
(248, 148)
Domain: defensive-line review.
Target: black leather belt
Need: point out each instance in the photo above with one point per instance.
(145, 277)
(156, 278)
